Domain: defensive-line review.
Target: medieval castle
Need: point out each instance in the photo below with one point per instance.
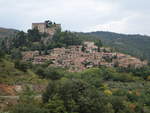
(47, 27)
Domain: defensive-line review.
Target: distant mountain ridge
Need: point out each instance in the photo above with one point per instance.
(135, 45)
(7, 32)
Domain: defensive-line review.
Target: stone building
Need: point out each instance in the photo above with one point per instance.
(46, 27)
(90, 46)
(29, 55)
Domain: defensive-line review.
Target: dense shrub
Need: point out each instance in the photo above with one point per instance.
(27, 108)
(23, 66)
(50, 72)
(77, 96)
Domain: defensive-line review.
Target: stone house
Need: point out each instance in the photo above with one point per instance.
(29, 55)
(90, 47)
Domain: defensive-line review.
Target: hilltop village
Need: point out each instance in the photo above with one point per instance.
(75, 58)
(79, 57)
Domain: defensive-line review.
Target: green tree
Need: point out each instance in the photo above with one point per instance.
(55, 105)
(34, 35)
(54, 73)
(16, 54)
(41, 72)
(23, 66)
(77, 96)
(20, 39)
(51, 90)
(98, 43)
(67, 38)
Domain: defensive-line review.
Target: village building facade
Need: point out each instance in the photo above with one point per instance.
(74, 59)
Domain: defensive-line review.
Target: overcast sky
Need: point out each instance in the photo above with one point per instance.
(122, 16)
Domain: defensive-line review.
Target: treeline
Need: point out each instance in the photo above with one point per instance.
(34, 40)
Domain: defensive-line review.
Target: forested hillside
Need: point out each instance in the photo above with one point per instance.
(136, 45)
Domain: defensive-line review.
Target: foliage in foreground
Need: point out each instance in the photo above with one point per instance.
(97, 90)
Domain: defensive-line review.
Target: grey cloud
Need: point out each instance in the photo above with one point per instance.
(78, 15)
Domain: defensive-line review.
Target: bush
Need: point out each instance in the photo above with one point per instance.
(55, 105)
(27, 108)
(51, 73)
(23, 66)
(41, 72)
(16, 54)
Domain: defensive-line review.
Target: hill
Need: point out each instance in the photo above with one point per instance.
(4, 32)
(136, 45)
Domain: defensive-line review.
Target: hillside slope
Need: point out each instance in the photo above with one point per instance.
(10, 75)
(136, 45)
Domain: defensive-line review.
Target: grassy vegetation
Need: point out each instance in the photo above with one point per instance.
(95, 90)
(10, 75)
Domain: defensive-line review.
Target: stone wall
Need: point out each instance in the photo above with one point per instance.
(40, 26)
